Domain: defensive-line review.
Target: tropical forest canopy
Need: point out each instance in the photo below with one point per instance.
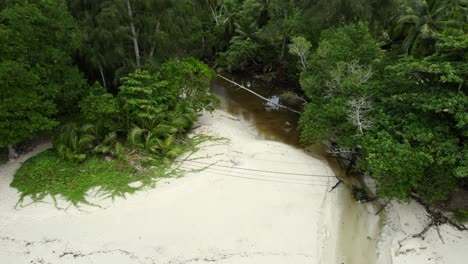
(385, 81)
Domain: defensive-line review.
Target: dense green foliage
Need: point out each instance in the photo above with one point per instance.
(336, 76)
(121, 36)
(153, 109)
(404, 121)
(37, 77)
(100, 107)
(385, 80)
(423, 116)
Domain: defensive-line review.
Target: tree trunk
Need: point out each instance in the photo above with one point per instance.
(12, 154)
(153, 43)
(283, 48)
(215, 15)
(102, 76)
(203, 46)
(134, 35)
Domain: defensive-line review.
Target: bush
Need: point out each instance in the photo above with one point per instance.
(241, 53)
(144, 95)
(100, 106)
(191, 78)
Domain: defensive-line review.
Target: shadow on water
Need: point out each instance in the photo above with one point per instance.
(358, 229)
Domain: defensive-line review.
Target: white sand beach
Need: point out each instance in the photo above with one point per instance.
(234, 212)
(237, 211)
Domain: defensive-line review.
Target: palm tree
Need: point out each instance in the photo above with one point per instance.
(246, 30)
(422, 20)
(229, 12)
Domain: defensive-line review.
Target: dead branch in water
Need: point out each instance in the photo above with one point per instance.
(258, 95)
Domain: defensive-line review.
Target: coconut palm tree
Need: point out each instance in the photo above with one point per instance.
(421, 21)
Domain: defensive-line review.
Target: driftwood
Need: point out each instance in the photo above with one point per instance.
(336, 185)
(258, 95)
(383, 207)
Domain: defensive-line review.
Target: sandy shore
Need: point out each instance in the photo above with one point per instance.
(397, 246)
(234, 212)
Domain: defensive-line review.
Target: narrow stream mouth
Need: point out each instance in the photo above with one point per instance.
(268, 120)
(358, 228)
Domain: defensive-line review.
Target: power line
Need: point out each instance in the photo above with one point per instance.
(291, 162)
(256, 94)
(257, 179)
(276, 172)
(253, 175)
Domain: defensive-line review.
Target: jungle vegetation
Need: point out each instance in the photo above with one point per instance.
(385, 81)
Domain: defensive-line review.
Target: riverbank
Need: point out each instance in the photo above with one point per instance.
(258, 202)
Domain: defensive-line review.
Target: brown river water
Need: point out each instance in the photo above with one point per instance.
(358, 229)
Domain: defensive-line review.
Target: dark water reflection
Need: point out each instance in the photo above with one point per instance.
(270, 121)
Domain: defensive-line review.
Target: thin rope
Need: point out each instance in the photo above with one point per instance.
(256, 94)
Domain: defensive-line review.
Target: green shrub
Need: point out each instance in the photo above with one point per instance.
(144, 95)
(241, 53)
(191, 78)
(100, 106)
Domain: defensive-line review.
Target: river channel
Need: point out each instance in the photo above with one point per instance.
(358, 228)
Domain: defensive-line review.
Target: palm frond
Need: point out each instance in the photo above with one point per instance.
(88, 128)
(109, 138)
(164, 130)
(134, 137)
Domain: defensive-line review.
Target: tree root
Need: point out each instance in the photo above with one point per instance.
(437, 217)
(435, 222)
